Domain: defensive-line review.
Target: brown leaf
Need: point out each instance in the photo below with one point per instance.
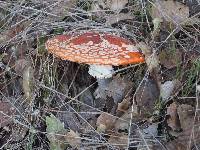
(114, 5)
(105, 122)
(170, 11)
(114, 18)
(173, 120)
(170, 59)
(176, 145)
(124, 105)
(73, 138)
(191, 134)
(186, 116)
(123, 122)
(119, 140)
(186, 139)
(23, 68)
(28, 83)
(146, 97)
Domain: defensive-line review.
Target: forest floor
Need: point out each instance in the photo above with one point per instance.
(49, 103)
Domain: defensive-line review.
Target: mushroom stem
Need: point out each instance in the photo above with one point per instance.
(103, 83)
(102, 88)
(103, 74)
(101, 71)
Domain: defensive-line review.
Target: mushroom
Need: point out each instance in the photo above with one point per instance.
(100, 50)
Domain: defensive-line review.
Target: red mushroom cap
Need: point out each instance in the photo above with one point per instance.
(95, 48)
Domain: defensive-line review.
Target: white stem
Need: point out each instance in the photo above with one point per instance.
(101, 71)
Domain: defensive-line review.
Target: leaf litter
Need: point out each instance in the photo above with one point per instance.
(52, 104)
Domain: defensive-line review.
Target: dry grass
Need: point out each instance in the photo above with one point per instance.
(42, 84)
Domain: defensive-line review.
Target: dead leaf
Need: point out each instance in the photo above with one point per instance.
(176, 145)
(146, 97)
(186, 116)
(105, 122)
(119, 140)
(58, 135)
(117, 89)
(124, 105)
(13, 31)
(170, 11)
(69, 118)
(28, 83)
(148, 92)
(19, 132)
(170, 59)
(191, 56)
(123, 122)
(9, 57)
(186, 140)
(151, 58)
(23, 68)
(6, 113)
(59, 9)
(114, 5)
(20, 65)
(73, 138)
(114, 18)
(173, 120)
(168, 88)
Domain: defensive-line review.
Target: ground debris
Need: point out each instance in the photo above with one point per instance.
(173, 120)
(105, 122)
(116, 89)
(48, 103)
(146, 97)
(7, 111)
(170, 11)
